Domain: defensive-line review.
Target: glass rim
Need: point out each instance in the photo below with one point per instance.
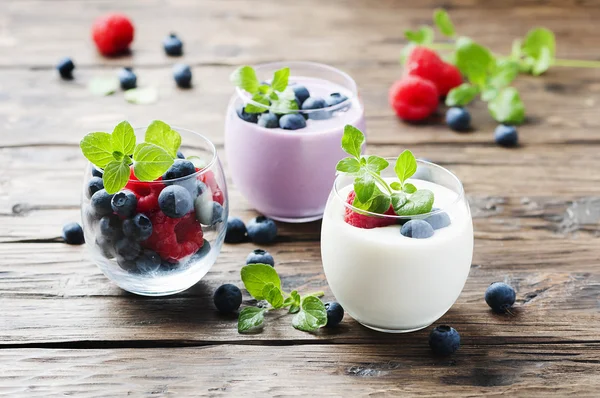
(203, 170)
(391, 160)
(242, 94)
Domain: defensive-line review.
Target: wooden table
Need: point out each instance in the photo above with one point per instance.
(66, 329)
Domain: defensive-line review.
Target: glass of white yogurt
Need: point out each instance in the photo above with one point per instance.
(387, 281)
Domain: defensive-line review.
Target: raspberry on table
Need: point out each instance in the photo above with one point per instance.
(413, 98)
(112, 34)
(363, 221)
(427, 64)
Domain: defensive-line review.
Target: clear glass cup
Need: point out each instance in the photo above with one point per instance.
(389, 282)
(287, 174)
(187, 247)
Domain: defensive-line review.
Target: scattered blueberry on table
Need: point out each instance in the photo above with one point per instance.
(262, 230)
(182, 75)
(506, 136)
(236, 230)
(458, 119)
(500, 297)
(72, 233)
(260, 256)
(173, 45)
(335, 314)
(444, 340)
(127, 78)
(65, 68)
(227, 298)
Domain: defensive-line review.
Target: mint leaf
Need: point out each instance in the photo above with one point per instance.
(123, 138)
(103, 85)
(264, 89)
(261, 99)
(280, 79)
(506, 71)
(443, 22)
(398, 200)
(406, 166)
(97, 148)
(462, 95)
(489, 93)
(379, 202)
(515, 53)
(406, 52)
(539, 45)
(150, 161)
(473, 60)
(348, 165)
(364, 187)
(283, 106)
(141, 96)
(115, 177)
(376, 163)
(409, 188)
(160, 134)
(423, 35)
(257, 276)
(312, 315)
(245, 78)
(396, 186)
(296, 300)
(418, 203)
(352, 141)
(273, 295)
(507, 107)
(250, 318)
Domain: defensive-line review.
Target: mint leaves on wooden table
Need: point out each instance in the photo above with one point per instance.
(373, 194)
(263, 283)
(116, 152)
(277, 95)
(490, 75)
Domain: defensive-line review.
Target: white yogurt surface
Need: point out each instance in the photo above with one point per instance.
(390, 282)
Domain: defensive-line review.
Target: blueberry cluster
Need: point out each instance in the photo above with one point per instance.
(425, 228)
(309, 109)
(260, 230)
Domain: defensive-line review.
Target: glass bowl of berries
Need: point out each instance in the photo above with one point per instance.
(154, 219)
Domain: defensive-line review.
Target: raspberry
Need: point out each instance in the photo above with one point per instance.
(450, 78)
(362, 221)
(145, 192)
(425, 63)
(413, 98)
(112, 34)
(209, 179)
(174, 238)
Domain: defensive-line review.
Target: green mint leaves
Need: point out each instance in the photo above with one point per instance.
(373, 194)
(114, 153)
(277, 95)
(263, 283)
(538, 48)
(443, 22)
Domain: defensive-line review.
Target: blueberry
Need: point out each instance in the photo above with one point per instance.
(138, 227)
(500, 296)
(227, 298)
(236, 230)
(335, 99)
(72, 233)
(180, 155)
(101, 203)
(268, 120)
(127, 249)
(316, 103)
(335, 314)
(97, 172)
(175, 201)
(292, 121)
(110, 227)
(106, 247)
(182, 75)
(94, 185)
(179, 168)
(200, 254)
(458, 119)
(124, 203)
(127, 265)
(417, 229)
(208, 213)
(173, 45)
(444, 340)
(65, 68)
(245, 116)
(301, 93)
(262, 230)
(148, 262)
(168, 266)
(439, 220)
(127, 78)
(260, 256)
(201, 188)
(506, 135)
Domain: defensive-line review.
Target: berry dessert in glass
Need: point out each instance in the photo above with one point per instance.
(282, 133)
(154, 212)
(396, 239)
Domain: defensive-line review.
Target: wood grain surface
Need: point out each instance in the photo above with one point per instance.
(67, 330)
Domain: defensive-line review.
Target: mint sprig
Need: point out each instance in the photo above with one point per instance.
(114, 153)
(373, 194)
(263, 283)
(277, 95)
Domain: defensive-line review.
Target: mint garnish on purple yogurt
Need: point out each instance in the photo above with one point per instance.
(373, 193)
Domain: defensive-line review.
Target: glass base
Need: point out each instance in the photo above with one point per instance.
(378, 329)
(297, 220)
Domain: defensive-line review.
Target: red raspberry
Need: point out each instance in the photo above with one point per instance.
(450, 78)
(174, 238)
(145, 192)
(112, 34)
(413, 98)
(362, 221)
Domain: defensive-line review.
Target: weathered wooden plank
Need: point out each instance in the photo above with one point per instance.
(334, 370)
